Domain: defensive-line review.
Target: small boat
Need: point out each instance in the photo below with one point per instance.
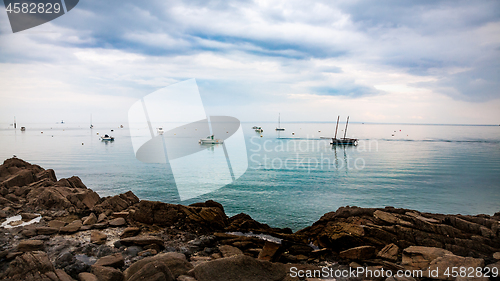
(159, 131)
(210, 140)
(254, 127)
(91, 126)
(107, 138)
(258, 129)
(23, 129)
(279, 124)
(121, 126)
(344, 140)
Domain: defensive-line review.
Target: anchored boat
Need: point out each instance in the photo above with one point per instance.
(107, 138)
(279, 124)
(210, 140)
(344, 140)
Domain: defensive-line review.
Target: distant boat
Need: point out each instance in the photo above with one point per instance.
(344, 140)
(91, 126)
(121, 126)
(210, 140)
(279, 124)
(107, 138)
(159, 131)
(62, 121)
(258, 129)
(23, 129)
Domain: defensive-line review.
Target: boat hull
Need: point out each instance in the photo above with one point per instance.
(344, 141)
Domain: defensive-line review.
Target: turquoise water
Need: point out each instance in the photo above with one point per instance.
(294, 180)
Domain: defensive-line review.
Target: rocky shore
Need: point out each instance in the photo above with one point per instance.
(61, 230)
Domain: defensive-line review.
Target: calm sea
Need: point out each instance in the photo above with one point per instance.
(293, 180)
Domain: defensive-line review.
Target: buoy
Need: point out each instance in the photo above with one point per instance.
(293, 133)
(261, 136)
(319, 131)
(97, 133)
(82, 143)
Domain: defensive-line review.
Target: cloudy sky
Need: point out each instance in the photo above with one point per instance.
(377, 61)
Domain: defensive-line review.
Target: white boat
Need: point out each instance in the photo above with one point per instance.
(258, 129)
(160, 131)
(107, 138)
(279, 124)
(210, 140)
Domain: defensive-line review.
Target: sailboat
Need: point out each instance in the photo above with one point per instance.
(279, 123)
(344, 140)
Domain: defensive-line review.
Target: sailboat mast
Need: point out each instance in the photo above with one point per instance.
(279, 120)
(338, 117)
(346, 123)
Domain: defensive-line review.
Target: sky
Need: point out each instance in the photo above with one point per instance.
(433, 62)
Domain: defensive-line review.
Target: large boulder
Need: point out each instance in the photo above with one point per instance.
(116, 203)
(448, 262)
(115, 260)
(239, 267)
(176, 262)
(186, 217)
(153, 271)
(34, 266)
(418, 257)
(104, 273)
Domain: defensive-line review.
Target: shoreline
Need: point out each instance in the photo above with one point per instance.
(81, 235)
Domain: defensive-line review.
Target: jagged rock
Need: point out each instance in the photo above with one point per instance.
(153, 271)
(130, 232)
(164, 214)
(118, 222)
(115, 260)
(358, 253)
(98, 237)
(104, 273)
(448, 261)
(86, 276)
(176, 262)
(229, 251)
(72, 227)
(141, 241)
(239, 267)
(270, 252)
(30, 245)
(29, 264)
(121, 214)
(117, 203)
(389, 252)
(102, 217)
(418, 257)
(91, 219)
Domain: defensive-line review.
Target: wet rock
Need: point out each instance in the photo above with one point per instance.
(117, 222)
(130, 232)
(358, 253)
(270, 252)
(389, 252)
(104, 273)
(86, 276)
(239, 267)
(72, 227)
(115, 260)
(229, 251)
(154, 271)
(176, 262)
(91, 219)
(30, 245)
(418, 257)
(98, 237)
